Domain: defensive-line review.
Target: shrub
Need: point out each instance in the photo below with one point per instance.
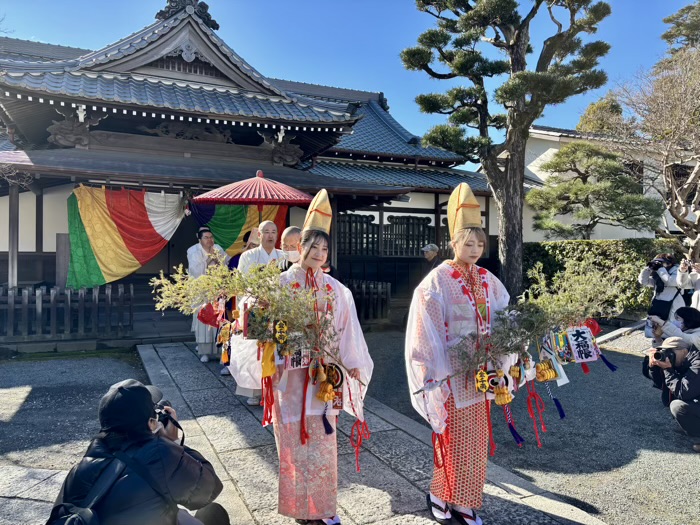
(626, 257)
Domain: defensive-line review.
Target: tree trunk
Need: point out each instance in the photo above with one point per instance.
(509, 193)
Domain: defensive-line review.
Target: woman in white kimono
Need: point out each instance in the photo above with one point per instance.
(304, 425)
(200, 257)
(455, 300)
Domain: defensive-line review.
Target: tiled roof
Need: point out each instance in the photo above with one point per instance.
(133, 43)
(175, 95)
(328, 92)
(5, 144)
(377, 132)
(14, 48)
(408, 176)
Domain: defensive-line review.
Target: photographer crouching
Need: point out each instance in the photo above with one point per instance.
(135, 471)
(662, 275)
(675, 369)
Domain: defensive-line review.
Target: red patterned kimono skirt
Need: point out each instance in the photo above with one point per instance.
(461, 480)
(308, 477)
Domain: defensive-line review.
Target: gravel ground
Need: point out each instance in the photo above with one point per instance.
(48, 408)
(618, 454)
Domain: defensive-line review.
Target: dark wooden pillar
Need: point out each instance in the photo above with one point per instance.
(334, 232)
(438, 216)
(13, 238)
(39, 221)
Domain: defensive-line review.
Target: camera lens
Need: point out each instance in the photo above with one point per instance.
(659, 355)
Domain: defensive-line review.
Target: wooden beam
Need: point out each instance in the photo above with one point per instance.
(13, 244)
(438, 215)
(39, 208)
(334, 233)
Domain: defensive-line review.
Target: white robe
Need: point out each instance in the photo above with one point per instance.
(247, 370)
(440, 316)
(197, 263)
(244, 352)
(258, 256)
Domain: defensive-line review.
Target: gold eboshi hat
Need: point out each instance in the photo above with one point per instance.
(320, 213)
(463, 210)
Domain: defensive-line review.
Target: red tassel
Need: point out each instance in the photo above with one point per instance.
(304, 432)
(492, 442)
(534, 398)
(358, 433)
(268, 398)
(585, 368)
(440, 443)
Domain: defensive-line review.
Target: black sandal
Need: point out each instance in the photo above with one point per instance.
(444, 510)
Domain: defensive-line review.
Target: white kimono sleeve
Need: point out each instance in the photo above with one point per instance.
(353, 351)
(426, 357)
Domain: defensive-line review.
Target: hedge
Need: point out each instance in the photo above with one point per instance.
(605, 254)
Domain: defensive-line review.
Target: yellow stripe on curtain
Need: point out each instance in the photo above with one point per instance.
(114, 258)
(269, 214)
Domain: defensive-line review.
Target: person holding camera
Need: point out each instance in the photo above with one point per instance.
(143, 471)
(661, 274)
(689, 276)
(685, 324)
(677, 366)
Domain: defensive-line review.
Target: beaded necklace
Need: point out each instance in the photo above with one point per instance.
(468, 280)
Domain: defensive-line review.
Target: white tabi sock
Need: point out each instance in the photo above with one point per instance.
(437, 512)
(335, 520)
(468, 514)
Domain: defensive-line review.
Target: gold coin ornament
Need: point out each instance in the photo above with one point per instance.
(482, 381)
(334, 375)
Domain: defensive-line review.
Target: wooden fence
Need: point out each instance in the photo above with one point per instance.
(372, 299)
(33, 314)
(402, 236)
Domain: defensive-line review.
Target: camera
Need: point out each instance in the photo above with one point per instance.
(662, 354)
(161, 414)
(656, 263)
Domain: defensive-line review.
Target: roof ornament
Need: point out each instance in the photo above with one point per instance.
(201, 9)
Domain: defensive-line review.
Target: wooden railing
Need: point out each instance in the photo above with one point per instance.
(33, 314)
(402, 236)
(372, 299)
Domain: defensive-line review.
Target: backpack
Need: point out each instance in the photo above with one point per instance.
(69, 514)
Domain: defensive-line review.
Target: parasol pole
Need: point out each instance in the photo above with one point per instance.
(259, 173)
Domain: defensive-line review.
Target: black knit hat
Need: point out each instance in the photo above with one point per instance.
(128, 405)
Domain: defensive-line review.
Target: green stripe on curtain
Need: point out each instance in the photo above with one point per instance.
(83, 270)
(227, 223)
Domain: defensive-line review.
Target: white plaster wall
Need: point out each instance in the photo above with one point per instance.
(55, 214)
(27, 222)
(538, 152)
(418, 200)
(297, 216)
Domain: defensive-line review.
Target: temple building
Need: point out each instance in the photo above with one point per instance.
(173, 110)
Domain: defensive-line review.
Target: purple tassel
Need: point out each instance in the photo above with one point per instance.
(327, 424)
(611, 366)
(517, 437)
(560, 408)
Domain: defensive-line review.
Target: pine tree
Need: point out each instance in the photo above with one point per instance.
(591, 187)
(685, 28)
(479, 41)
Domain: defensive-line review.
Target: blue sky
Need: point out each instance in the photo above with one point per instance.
(347, 43)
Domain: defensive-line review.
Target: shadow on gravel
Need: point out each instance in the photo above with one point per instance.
(49, 407)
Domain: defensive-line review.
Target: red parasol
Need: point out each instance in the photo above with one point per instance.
(255, 191)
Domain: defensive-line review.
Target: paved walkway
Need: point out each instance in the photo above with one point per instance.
(396, 462)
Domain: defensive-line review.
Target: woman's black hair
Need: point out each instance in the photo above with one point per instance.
(308, 237)
(690, 316)
(246, 236)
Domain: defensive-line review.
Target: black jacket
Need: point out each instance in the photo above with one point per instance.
(182, 473)
(684, 381)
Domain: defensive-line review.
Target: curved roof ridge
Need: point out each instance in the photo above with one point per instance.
(393, 124)
(92, 58)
